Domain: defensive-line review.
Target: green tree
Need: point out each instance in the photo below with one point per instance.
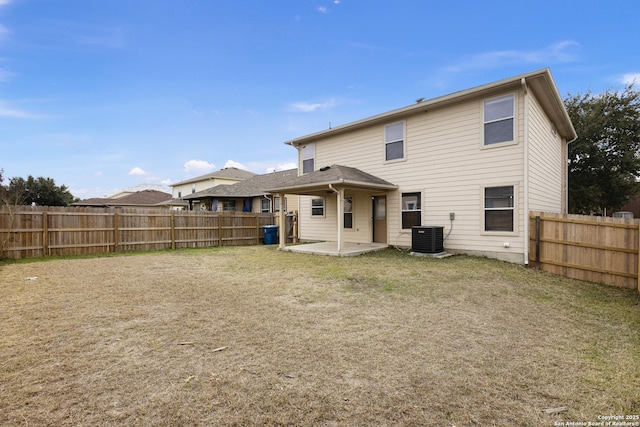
(3, 191)
(604, 165)
(40, 191)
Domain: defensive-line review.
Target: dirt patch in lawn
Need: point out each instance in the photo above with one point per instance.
(253, 336)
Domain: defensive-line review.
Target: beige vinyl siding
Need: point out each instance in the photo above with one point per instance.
(317, 228)
(361, 231)
(545, 162)
(186, 189)
(293, 202)
(446, 161)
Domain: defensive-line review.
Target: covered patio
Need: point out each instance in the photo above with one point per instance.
(333, 181)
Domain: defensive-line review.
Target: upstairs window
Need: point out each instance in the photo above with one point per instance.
(498, 120)
(308, 155)
(411, 210)
(499, 208)
(394, 141)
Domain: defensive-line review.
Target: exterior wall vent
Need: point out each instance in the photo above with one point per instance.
(427, 240)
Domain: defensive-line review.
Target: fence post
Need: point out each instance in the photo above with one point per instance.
(257, 229)
(220, 228)
(116, 233)
(537, 242)
(173, 230)
(45, 233)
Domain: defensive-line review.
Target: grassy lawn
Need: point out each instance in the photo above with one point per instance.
(253, 336)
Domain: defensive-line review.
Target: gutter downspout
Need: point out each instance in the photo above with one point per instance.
(525, 202)
(340, 196)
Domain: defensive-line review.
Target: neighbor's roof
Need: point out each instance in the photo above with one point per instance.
(322, 179)
(139, 198)
(250, 187)
(226, 173)
(540, 82)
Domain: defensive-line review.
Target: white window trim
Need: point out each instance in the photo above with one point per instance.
(278, 204)
(515, 123)
(312, 147)
(353, 216)
(408, 230)
(516, 210)
(404, 142)
(324, 207)
(269, 204)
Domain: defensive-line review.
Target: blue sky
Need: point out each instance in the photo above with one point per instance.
(103, 95)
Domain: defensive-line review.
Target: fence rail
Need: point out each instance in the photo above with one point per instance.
(597, 249)
(27, 232)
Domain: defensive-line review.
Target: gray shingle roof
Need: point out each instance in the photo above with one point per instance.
(251, 187)
(141, 198)
(334, 174)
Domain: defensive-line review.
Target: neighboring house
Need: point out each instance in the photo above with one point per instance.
(127, 199)
(632, 205)
(485, 157)
(249, 195)
(226, 176)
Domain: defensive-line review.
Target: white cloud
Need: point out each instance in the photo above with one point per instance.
(198, 167)
(8, 111)
(306, 107)
(322, 9)
(4, 2)
(136, 171)
(282, 167)
(234, 164)
(560, 52)
(630, 78)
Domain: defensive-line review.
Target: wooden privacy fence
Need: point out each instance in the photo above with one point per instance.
(597, 249)
(27, 231)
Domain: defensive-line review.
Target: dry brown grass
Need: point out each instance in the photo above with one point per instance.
(381, 339)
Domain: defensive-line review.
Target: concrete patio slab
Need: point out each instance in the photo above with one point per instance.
(331, 248)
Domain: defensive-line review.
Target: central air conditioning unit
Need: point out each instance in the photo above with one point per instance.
(427, 240)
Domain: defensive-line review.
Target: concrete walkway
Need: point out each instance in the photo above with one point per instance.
(331, 248)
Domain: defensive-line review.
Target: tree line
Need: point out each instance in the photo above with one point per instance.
(34, 191)
(603, 163)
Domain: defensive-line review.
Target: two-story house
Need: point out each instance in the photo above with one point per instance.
(475, 162)
(226, 176)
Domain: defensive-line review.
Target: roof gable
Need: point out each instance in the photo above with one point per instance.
(226, 173)
(540, 82)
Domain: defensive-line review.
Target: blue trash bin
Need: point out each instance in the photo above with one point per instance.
(270, 234)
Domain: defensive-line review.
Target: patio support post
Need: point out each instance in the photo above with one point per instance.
(283, 224)
(340, 196)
